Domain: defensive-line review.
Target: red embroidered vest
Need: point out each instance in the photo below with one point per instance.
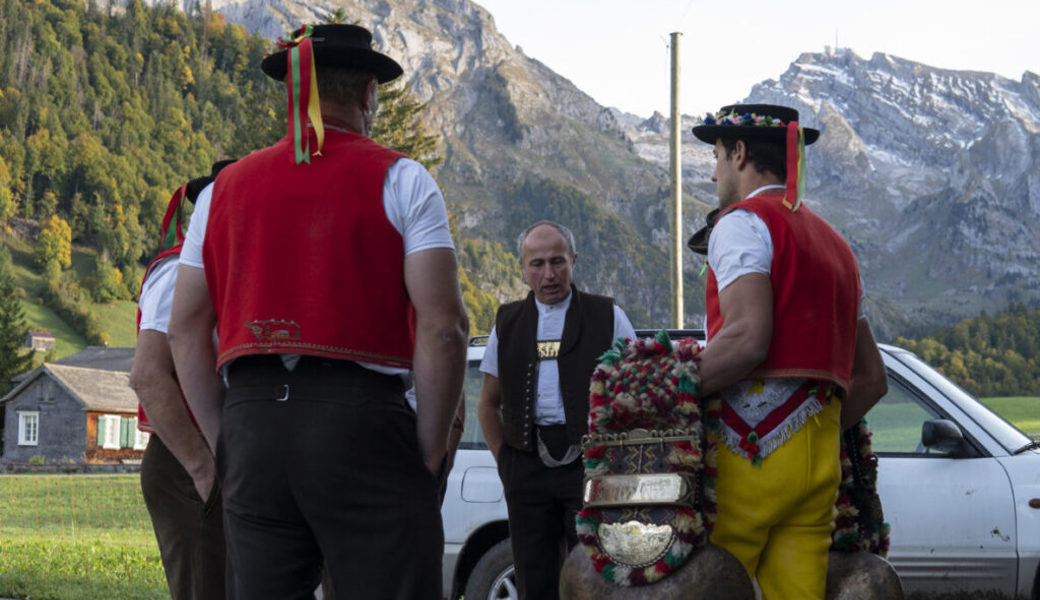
(301, 259)
(816, 293)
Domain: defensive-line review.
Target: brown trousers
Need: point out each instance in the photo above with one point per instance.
(190, 532)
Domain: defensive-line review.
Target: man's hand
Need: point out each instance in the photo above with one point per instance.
(439, 364)
(153, 380)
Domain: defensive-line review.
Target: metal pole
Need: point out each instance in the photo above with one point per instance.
(675, 147)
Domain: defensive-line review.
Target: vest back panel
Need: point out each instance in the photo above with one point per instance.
(302, 259)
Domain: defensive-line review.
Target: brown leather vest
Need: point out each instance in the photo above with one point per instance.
(588, 331)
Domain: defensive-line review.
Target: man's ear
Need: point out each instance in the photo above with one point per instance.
(740, 156)
(574, 258)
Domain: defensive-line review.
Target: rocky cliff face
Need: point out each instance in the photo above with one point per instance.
(932, 175)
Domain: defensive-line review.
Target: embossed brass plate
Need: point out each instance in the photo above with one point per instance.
(633, 543)
(623, 490)
(548, 350)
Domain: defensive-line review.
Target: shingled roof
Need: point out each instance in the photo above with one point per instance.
(98, 389)
(101, 357)
(92, 357)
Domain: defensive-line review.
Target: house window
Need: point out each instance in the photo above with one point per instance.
(140, 438)
(108, 431)
(28, 428)
(115, 432)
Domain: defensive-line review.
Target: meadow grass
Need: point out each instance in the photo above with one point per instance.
(119, 319)
(1022, 411)
(66, 340)
(77, 537)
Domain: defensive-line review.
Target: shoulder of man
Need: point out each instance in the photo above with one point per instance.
(510, 310)
(598, 298)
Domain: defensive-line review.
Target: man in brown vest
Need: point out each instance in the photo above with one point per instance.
(534, 401)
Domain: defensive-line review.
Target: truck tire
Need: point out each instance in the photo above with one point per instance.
(493, 578)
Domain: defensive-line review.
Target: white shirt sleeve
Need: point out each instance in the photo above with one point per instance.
(739, 244)
(191, 253)
(489, 364)
(157, 295)
(415, 207)
(622, 326)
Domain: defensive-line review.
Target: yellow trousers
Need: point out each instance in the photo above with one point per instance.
(777, 518)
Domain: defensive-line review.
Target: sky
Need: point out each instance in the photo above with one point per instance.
(617, 51)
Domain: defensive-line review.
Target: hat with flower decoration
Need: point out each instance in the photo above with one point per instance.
(765, 122)
(312, 46)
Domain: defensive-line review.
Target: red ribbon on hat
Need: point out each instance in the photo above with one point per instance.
(174, 210)
(795, 184)
(302, 86)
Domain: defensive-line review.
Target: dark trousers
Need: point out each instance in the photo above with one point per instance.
(542, 503)
(332, 474)
(190, 532)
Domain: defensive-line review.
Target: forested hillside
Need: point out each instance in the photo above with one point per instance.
(106, 108)
(988, 356)
(102, 115)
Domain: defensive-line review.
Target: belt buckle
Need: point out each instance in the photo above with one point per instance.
(285, 393)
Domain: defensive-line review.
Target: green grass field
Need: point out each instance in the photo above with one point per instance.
(1023, 411)
(77, 537)
(119, 319)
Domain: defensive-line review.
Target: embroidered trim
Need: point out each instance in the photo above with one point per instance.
(312, 350)
(760, 441)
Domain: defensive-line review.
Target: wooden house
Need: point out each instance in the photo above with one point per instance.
(63, 413)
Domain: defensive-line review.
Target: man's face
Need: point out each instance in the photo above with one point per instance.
(547, 264)
(725, 176)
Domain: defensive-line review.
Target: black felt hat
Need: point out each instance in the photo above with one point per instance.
(338, 46)
(751, 121)
(699, 240)
(195, 186)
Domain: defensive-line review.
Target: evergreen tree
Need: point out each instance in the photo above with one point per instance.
(13, 360)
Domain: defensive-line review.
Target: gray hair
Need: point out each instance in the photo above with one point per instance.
(566, 233)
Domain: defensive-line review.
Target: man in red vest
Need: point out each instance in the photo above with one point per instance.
(789, 350)
(178, 474)
(326, 263)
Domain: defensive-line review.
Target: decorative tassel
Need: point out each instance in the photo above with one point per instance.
(795, 185)
(302, 86)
